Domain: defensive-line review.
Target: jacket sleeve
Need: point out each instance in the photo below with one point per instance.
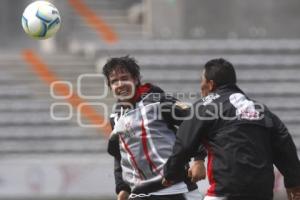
(285, 153)
(114, 150)
(120, 184)
(187, 144)
(174, 112)
(201, 153)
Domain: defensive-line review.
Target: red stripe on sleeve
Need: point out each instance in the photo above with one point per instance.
(212, 182)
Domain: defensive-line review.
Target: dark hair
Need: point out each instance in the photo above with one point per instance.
(122, 63)
(220, 71)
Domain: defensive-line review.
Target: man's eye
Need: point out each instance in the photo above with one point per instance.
(113, 82)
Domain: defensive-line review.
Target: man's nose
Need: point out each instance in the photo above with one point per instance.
(120, 83)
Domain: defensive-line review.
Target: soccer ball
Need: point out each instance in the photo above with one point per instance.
(41, 20)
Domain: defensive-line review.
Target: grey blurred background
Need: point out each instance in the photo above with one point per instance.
(46, 158)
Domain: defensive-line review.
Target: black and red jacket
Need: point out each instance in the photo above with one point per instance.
(243, 139)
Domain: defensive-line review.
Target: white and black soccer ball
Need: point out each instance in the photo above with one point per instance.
(41, 20)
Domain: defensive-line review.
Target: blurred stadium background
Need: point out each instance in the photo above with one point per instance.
(47, 154)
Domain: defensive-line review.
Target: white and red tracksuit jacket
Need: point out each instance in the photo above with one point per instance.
(143, 139)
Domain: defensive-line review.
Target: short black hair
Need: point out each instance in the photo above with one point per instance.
(220, 71)
(123, 63)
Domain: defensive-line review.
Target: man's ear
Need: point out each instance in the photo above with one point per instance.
(211, 85)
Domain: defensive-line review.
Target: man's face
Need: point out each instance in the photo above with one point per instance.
(122, 84)
(206, 85)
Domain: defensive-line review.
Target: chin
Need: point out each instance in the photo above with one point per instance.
(124, 98)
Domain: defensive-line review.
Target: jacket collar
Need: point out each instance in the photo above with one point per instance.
(227, 88)
(140, 93)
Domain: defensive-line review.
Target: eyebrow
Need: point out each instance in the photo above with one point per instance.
(120, 77)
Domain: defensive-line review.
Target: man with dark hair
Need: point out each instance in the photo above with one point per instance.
(143, 136)
(243, 139)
